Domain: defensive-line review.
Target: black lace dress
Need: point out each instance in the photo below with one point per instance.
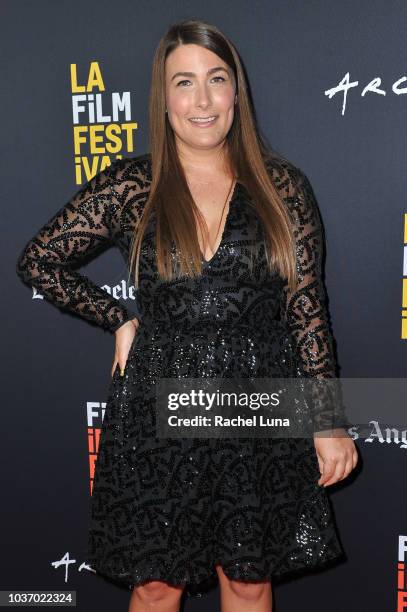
(170, 509)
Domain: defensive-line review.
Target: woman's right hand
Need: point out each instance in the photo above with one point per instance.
(124, 339)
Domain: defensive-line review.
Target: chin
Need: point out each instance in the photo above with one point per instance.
(206, 142)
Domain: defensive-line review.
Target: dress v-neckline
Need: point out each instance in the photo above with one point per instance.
(205, 261)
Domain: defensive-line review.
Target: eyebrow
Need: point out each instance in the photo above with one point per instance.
(192, 74)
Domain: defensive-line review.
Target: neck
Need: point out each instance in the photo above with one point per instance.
(203, 161)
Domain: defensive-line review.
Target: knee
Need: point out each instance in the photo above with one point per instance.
(156, 591)
(249, 591)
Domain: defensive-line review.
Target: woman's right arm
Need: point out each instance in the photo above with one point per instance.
(79, 231)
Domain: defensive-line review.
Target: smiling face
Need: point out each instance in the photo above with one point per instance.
(199, 85)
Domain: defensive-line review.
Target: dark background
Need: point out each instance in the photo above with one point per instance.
(54, 363)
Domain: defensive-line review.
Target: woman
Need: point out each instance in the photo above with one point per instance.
(240, 296)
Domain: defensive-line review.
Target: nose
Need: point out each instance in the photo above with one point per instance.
(203, 99)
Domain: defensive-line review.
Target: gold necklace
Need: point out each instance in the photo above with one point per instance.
(223, 210)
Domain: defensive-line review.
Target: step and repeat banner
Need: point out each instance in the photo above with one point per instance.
(328, 80)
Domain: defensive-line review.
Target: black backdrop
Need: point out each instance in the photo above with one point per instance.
(56, 367)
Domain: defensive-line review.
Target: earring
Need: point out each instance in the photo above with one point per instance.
(166, 110)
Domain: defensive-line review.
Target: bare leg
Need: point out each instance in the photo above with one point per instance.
(237, 596)
(156, 595)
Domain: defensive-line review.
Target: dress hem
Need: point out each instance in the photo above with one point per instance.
(201, 585)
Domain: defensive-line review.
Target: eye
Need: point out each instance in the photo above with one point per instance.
(219, 77)
(184, 81)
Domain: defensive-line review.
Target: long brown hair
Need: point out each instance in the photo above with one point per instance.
(247, 155)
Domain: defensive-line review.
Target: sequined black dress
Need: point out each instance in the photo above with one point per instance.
(166, 509)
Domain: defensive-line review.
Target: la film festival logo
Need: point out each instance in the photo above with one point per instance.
(402, 574)
(404, 290)
(102, 122)
(102, 129)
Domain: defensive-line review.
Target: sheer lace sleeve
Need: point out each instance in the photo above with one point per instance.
(305, 309)
(78, 232)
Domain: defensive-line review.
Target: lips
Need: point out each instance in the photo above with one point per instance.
(203, 120)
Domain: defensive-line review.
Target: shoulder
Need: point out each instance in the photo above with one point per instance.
(288, 178)
(135, 170)
(295, 190)
(130, 180)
